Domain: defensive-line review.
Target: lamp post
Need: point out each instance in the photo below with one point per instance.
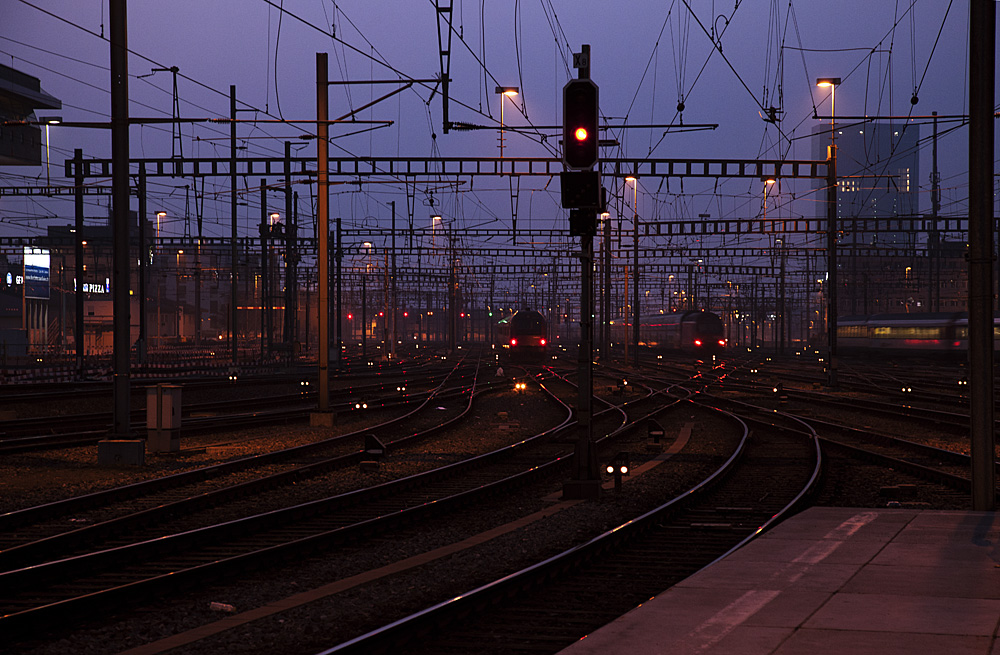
(367, 245)
(160, 215)
(179, 307)
(831, 233)
(635, 270)
(605, 346)
(50, 120)
(780, 244)
(510, 92)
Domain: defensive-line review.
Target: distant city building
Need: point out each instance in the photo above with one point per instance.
(880, 270)
(20, 96)
(878, 171)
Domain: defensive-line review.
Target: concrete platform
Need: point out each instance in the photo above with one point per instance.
(832, 580)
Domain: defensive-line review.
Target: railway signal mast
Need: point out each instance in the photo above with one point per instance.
(581, 194)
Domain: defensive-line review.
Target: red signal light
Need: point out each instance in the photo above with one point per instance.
(350, 317)
(543, 342)
(697, 342)
(722, 342)
(580, 134)
(513, 342)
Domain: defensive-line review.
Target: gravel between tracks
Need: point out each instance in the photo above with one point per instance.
(325, 622)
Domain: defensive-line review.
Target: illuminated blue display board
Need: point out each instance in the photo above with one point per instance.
(36, 273)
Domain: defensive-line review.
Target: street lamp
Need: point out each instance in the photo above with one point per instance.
(831, 83)
(769, 182)
(510, 92)
(159, 217)
(50, 120)
(435, 221)
(831, 233)
(635, 270)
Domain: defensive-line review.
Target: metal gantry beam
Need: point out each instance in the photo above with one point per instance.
(308, 245)
(436, 167)
(738, 226)
(54, 190)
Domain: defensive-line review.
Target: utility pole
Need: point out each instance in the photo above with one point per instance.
(265, 280)
(831, 263)
(234, 252)
(143, 259)
(781, 297)
(395, 303)
(339, 255)
(935, 236)
(323, 416)
(452, 294)
(982, 62)
(606, 310)
(78, 264)
(121, 428)
(291, 258)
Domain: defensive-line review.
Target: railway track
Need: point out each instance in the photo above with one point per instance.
(60, 431)
(149, 567)
(547, 606)
(550, 454)
(141, 504)
(947, 470)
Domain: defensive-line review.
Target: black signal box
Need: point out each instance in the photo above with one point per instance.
(580, 189)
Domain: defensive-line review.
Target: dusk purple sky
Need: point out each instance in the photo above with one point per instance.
(645, 56)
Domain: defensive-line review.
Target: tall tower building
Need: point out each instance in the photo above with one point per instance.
(878, 175)
(878, 170)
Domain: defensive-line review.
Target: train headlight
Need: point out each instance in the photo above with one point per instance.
(610, 469)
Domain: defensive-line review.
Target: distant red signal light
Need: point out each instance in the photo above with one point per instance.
(513, 342)
(697, 342)
(543, 342)
(350, 317)
(722, 342)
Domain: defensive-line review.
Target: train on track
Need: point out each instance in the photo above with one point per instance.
(928, 332)
(692, 332)
(523, 336)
